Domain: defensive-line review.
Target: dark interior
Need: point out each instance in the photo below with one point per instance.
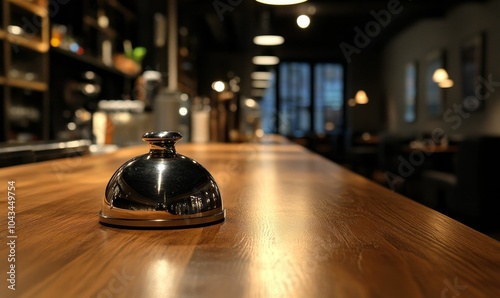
(436, 145)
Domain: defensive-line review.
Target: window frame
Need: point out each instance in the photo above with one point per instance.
(312, 93)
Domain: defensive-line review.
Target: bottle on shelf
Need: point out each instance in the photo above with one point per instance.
(200, 120)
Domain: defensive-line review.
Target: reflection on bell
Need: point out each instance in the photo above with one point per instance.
(161, 189)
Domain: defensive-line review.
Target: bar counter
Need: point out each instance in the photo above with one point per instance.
(297, 225)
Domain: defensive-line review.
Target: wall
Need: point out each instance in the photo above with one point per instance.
(447, 33)
(364, 72)
(218, 65)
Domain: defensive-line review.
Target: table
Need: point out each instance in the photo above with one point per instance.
(297, 225)
(429, 150)
(436, 157)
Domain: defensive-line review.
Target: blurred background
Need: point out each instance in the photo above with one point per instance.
(401, 92)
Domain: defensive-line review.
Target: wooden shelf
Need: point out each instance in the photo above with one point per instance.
(32, 85)
(30, 51)
(31, 7)
(91, 61)
(33, 44)
(90, 21)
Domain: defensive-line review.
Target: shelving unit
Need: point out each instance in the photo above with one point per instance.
(24, 71)
(44, 71)
(99, 28)
(91, 61)
(28, 61)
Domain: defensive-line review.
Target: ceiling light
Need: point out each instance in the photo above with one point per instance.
(183, 111)
(265, 60)
(439, 75)
(268, 40)
(103, 21)
(260, 84)
(251, 103)
(303, 21)
(218, 86)
(261, 75)
(281, 2)
(16, 30)
(446, 83)
(361, 98)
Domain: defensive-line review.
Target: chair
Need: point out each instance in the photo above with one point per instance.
(471, 194)
(390, 151)
(361, 149)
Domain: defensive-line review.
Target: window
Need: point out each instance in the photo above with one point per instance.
(295, 99)
(328, 97)
(268, 106)
(311, 99)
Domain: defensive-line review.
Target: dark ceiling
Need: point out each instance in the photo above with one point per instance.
(229, 25)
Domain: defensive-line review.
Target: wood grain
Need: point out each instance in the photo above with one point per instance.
(297, 225)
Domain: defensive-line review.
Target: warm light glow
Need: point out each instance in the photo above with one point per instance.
(329, 126)
(249, 102)
(366, 136)
(265, 60)
(107, 53)
(303, 21)
(268, 40)
(260, 84)
(218, 86)
(351, 102)
(157, 276)
(183, 111)
(361, 98)
(235, 88)
(71, 126)
(89, 89)
(261, 75)
(16, 30)
(281, 2)
(103, 21)
(89, 75)
(446, 83)
(440, 75)
(55, 42)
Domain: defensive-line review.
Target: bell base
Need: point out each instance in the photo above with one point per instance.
(163, 223)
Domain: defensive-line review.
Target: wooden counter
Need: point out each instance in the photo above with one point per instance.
(297, 226)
